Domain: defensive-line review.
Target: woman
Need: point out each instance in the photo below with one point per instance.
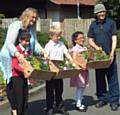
(26, 22)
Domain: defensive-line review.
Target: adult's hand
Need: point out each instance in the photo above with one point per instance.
(99, 48)
(111, 57)
(20, 57)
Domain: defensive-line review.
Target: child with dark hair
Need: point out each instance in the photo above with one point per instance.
(17, 90)
(81, 81)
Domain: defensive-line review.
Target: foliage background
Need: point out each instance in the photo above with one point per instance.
(43, 38)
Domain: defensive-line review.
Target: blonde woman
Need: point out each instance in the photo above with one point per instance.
(27, 22)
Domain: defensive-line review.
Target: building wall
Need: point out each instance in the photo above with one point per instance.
(61, 12)
(54, 15)
(45, 8)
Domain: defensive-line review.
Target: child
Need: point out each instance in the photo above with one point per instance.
(54, 87)
(17, 90)
(81, 81)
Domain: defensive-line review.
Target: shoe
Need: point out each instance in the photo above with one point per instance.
(82, 108)
(49, 112)
(11, 113)
(1, 98)
(114, 107)
(100, 104)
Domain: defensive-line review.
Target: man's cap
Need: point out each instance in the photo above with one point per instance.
(99, 8)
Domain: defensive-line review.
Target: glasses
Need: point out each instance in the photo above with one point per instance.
(79, 38)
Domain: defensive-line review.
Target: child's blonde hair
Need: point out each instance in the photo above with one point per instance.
(55, 29)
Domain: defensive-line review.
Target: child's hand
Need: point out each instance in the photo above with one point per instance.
(27, 73)
(76, 66)
(46, 57)
(84, 67)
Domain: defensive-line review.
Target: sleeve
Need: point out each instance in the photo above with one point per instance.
(38, 48)
(114, 28)
(35, 45)
(16, 65)
(47, 49)
(90, 33)
(11, 38)
(65, 50)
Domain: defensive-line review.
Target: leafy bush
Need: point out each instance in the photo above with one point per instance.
(118, 40)
(2, 36)
(43, 38)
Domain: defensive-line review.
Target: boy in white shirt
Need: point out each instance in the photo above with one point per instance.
(54, 87)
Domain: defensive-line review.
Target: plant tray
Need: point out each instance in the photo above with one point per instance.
(98, 64)
(42, 75)
(60, 73)
(67, 73)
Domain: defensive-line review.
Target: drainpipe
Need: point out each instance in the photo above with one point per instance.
(78, 10)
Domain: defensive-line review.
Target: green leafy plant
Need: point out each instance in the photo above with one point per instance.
(95, 55)
(38, 63)
(66, 65)
(34, 61)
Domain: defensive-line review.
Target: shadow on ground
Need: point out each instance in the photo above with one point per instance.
(87, 100)
(38, 107)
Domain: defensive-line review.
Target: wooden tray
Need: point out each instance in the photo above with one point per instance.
(99, 64)
(67, 73)
(42, 75)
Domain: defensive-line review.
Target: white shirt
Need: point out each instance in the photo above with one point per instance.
(78, 48)
(56, 51)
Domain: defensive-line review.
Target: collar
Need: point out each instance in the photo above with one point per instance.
(99, 22)
(80, 47)
(22, 48)
(54, 43)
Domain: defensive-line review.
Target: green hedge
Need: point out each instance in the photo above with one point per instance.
(118, 42)
(2, 36)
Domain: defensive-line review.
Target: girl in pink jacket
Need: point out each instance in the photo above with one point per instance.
(81, 81)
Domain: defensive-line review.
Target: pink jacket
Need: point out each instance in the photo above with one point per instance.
(83, 79)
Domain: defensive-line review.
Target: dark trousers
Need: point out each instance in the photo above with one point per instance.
(109, 74)
(54, 91)
(17, 93)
